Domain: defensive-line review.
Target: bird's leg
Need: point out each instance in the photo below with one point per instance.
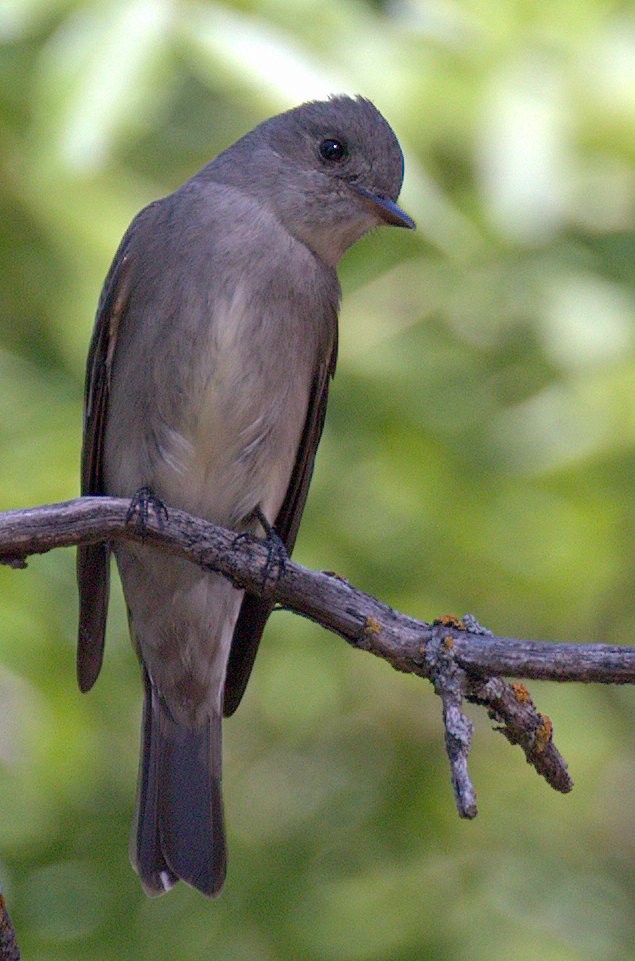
(277, 555)
(139, 510)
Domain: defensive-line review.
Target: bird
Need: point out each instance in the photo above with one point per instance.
(208, 372)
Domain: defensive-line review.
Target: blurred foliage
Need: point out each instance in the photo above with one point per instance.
(479, 455)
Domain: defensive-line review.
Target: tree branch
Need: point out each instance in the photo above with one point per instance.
(9, 950)
(460, 658)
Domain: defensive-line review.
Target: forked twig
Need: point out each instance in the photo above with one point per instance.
(460, 658)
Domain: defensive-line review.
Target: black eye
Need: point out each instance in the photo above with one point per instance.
(334, 151)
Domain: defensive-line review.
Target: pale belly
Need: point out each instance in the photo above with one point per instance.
(236, 453)
(220, 428)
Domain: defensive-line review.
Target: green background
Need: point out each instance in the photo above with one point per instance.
(478, 456)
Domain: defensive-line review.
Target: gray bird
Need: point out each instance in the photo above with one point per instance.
(207, 380)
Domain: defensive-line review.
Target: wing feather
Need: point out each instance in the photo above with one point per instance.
(254, 611)
(93, 559)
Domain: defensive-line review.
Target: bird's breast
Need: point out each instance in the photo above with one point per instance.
(228, 440)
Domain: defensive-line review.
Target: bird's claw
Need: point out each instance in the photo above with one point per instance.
(139, 510)
(277, 554)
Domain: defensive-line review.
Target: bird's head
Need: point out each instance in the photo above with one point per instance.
(329, 170)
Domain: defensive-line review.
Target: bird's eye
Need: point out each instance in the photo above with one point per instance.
(333, 151)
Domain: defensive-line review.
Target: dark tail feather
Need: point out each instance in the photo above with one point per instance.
(179, 833)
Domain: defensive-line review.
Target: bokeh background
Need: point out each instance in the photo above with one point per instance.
(478, 455)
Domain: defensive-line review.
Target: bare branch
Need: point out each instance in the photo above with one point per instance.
(458, 656)
(9, 950)
(322, 596)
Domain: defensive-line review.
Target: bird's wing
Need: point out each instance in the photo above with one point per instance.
(254, 611)
(93, 559)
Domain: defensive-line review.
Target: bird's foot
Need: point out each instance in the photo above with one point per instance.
(277, 554)
(140, 504)
(277, 557)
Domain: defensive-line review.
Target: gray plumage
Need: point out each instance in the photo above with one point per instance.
(208, 372)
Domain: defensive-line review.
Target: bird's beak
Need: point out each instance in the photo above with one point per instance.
(384, 208)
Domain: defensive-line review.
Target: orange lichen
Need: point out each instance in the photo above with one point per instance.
(372, 626)
(450, 620)
(448, 642)
(521, 693)
(543, 733)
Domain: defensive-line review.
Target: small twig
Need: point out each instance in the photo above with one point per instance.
(9, 950)
(449, 683)
(522, 724)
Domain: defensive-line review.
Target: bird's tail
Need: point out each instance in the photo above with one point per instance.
(178, 832)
